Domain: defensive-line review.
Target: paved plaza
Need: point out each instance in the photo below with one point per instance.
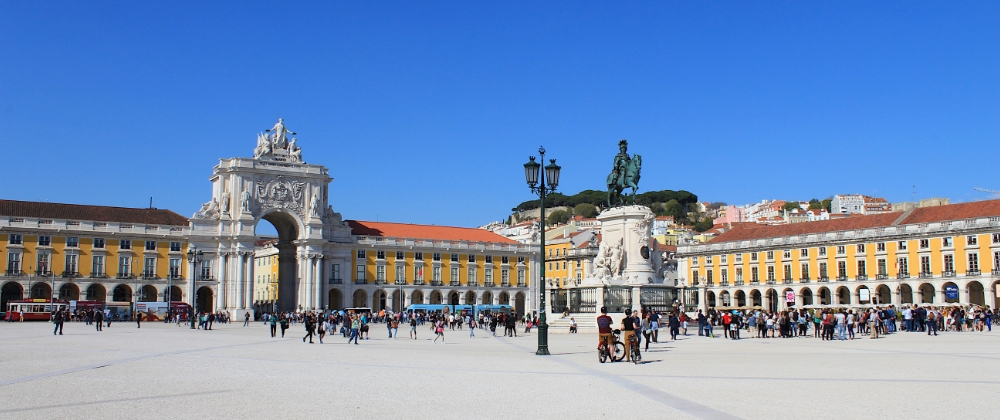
(162, 371)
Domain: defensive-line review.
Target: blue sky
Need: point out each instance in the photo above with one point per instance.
(424, 112)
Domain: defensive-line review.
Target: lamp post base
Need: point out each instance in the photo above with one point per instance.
(543, 340)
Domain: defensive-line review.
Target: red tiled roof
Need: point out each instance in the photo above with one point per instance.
(962, 211)
(14, 208)
(746, 231)
(406, 230)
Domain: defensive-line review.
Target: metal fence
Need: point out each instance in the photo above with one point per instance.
(657, 298)
(583, 300)
(558, 301)
(617, 298)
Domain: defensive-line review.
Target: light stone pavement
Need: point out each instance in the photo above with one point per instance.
(162, 371)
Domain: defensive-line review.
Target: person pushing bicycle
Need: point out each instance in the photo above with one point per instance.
(604, 336)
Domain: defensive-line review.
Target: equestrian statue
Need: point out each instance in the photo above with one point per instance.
(624, 175)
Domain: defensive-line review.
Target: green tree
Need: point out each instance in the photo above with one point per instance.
(815, 204)
(586, 210)
(703, 225)
(558, 217)
(673, 208)
(791, 205)
(826, 204)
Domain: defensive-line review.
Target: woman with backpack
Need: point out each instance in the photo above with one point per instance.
(439, 331)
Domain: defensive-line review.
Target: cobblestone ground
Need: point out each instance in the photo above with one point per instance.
(162, 371)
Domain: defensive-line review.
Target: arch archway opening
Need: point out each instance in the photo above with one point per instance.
(725, 299)
(360, 299)
(97, 292)
(807, 296)
(927, 292)
(41, 291)
(741, 298)
(397, 301)
(453, 298)
(276, 231)
(417, 297)
(148, 293)
(905, 294)
(977, 293)
(883, 295)
(843, 295)
(519, 299)
(205, 299)
(824, 296)
(122, 293)
(710, 299)
(487, 298)
(69, 291)
(784, 297)
(379, 300)
(755, 298)
(336, 299)
(436, 298)
(10, 291)
(470, 298)
(504, 298)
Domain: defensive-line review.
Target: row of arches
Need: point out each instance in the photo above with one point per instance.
(380, 299)
(13, 290)
(882, 294)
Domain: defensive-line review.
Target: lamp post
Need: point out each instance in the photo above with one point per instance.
(194, 257)
(541, 187)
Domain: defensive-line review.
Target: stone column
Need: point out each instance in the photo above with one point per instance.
(637, 298)
(703, 299)
(250, 284)
(600, 298)
(220, 294)
(240, 282)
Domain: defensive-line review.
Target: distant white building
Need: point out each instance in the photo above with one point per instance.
(859, 204)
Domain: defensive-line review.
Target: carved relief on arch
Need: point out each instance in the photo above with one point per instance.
(279, 192)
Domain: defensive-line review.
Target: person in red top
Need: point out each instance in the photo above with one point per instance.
(604, 329)
(726, 320)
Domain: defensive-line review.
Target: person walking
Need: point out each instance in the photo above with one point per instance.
(355, 327)
(413, 327)
(439, 331)
(99, 319)
(138, 320)
(310, 324)
(388, 327)
(58, 319)
(932, 318)
(246, 319)
(322, 329)
(674, 324)
(472, 328)
(273, 320)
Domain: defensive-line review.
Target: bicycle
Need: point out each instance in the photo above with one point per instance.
(617, 351)
(633, 343)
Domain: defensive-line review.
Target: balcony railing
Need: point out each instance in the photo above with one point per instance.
(861, 277)
(996, 271)
(360, 281)
(381, 281)
(488, 284)
(723, 283)
(925, 275)
(771, 282)
(98, 275)
(418, 282)
(43, 273)
(804, 280)
(522, 284)
(150, 276)
(739, 282)
(454, 283)
(902, 275)
(125, 276)
(754, 282)
(336, 281)
(841, 278)
(973, 272)
(505, 284)
(882, 276)
(949, 273)
(206, 278)
(400, 281)
(786, 281)
(435, 282)
(70, 274)
(14, 273)
(823, 279)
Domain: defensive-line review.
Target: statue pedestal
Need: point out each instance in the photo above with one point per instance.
(630, 226)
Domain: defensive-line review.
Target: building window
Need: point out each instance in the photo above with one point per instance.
(73, 242)
(99, 243)
(380, 255)
(925, 265)
(708, 260)
(841, 250)
(880, 247)
(175, 247)
(564, 265)
(550, 252)
(753, 274)
(739, 274)
(724, 276)
(862, 268)
(787, 254)
(996, 261)
(380, 273)
(805, 271)
(901, 245)
(694, 275)
(400, 255)
(400, 273)
(436, 256)
(472, 275)
(206, 270)
(489, 276)
(973, 261)
(694, 261)
(418, 274)
(804, 253)
(489, 259)
(788, 272)
(124, 266)
(359, 276)
(753, 256)
(520, 277)
(125, 244)
(44, 241)
(996, 238)
(841, 268)
(454, 257)
(971, 239)
(549, 267)
(880, 266)
(149, 268)
(822, 251)
(454, 275)
(175, 268)
(436, 274)
(505, 277)
(361, 254)
(739, 258)
(925, 243)
(708, 276)
(472, 258)
(949, 263)
(98, 270)
(770, 255)
(150, 245)
(861, 248)
(723, 259)
(13, 263)
(947, 242)
(903, 267)
(419, 256)
(71, 264)
(520, 260)
(822, 270)
(505, 260)
(579, 263)
(770, 273)
(16, 239)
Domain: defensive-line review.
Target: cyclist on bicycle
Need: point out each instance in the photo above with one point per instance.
(628, 332)
(604, 330)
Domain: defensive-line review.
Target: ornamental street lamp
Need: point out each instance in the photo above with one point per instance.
(531, 175)
(194, 257)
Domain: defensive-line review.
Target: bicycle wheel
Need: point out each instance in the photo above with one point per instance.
(602, 355)
(619, 352)
(636, 356)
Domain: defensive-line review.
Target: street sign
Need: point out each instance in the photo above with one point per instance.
(951, 292)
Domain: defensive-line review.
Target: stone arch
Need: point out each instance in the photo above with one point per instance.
(176, 294)
(784, 293)
(710, 299)
(927, 291)
(504, 298)
(290, 228)
(360, 299)
(379, 300)
(905, 293)
(977, 293)
(725, 300)
(694, 298)
(397, 300)
(206, 299)
(884, 294)
(417, 297)
(454, 298)
(121, 293)
(336, 299)
(148, 293)
(41, 291)
(843, 295)
(807, 296)
(436, 298)
(519, 307)
(97, 292)
(740, 298)
(487, 298)
(11, 290)
(470, 298)
(69, 291)
(756, 298)
(857, 294)
(823, 295)
(772, 300)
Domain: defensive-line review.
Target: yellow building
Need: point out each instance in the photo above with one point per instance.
(936, 255)
(433, 265)
(82, 252)
(266, 272)
(569, 257)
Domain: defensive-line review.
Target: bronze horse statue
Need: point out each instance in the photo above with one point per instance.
(619, 180)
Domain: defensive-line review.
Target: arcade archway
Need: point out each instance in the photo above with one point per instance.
(279, 228)
(148, 293)
(519, 299)
(336, 299)
(360, 299)
(41, 291)
(205, 299)
(97, 292)
(121, 293)
(10, 291)
(69, 291)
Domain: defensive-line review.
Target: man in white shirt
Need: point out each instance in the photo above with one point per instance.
(841, 325)
(907, 319)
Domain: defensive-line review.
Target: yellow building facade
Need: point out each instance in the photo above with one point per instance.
(947, 254)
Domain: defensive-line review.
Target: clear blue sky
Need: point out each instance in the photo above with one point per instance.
(425, 112)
